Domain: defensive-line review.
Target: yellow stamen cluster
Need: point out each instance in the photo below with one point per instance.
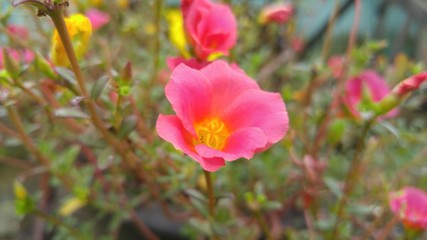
(213, 133)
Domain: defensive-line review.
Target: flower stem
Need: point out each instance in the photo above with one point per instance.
(55, 221)
(211, 199)
(59, 22)
(263, 224)
(17, 123)
(210, 193)
(352, 175)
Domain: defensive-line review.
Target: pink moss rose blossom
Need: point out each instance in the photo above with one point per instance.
(211, 27)
(370, 85)
(221, 115)
(410, 204)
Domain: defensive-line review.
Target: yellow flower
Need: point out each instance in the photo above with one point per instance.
(80, 31)
(176, 31)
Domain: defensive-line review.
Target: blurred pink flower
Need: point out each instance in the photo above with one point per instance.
(19, 31)
(297, 44)
(173, 62)
(410, 204)
(26, 56)
(210, 27)
(410, 84)
(221, 115)
(97, 18)
(366, 86)
(276, 12)
(336, 65)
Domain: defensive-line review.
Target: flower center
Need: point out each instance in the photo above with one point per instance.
(212, 132)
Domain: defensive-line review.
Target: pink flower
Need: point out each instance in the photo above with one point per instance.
(173, 62)
(297, 44)
(276, 12)
(221, 115)
(364, 89)
(410, 204)
(25, 56)
(97, 18)
(19, 31)
(336, 65)
(410, 84)
(211, 27)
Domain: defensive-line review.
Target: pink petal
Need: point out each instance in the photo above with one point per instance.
(212, 164)
(277, 12)
(376, 84)
(226, 84)
(370, 81)
(256, 108)
(410, 84)
(171, 130)
(245, 142)
(208, 152)
(97, 18)
(189, 93)
(173, 62)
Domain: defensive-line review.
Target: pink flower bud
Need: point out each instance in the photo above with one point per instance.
(277, 12)
(336, 65)
(410, 84)
(210, 27)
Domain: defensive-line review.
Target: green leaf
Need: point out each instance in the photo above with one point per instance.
(24, 206)
(336, 130)
(64, 161)
(392, 129)
(334, 186)
(128, 125)
(70, 113)
(360, 210)
(272, 205)
(193, 193)
(67, 75)
(99, 86)
(201, 226)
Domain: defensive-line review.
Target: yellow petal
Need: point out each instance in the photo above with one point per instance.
(19, 190)
(80, 31)
(176, 31)
(70, 206)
